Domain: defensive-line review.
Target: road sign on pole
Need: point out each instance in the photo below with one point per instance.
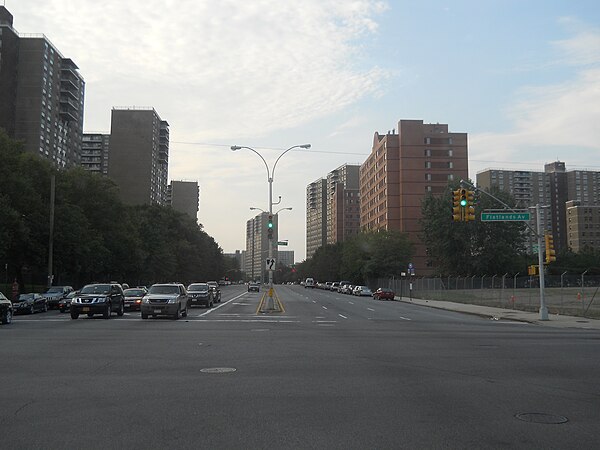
(282, 242)
(505, 216)
(270, 263)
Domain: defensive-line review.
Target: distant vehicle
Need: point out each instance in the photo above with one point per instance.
(200, 293)
(253, 287)
(98, 299)
(216, 291)
(348, 289)
(309, 283)
(341, 286)
(30, 303)
(384, 294)
(65, 304)
(6, 310)
(133, 298)
(55, 294)
(362, 291)
(334, 286)
(169, 299)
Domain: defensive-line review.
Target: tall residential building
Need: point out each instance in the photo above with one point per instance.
(257, 246)
(94, 152)
(332, 208)
(139, 155)
(316, 216)
(42, 95)
(401, 170)
(583, 226)
(553, 188)
(285, 258)
(184, 196)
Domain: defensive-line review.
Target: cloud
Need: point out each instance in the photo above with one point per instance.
(551, 121)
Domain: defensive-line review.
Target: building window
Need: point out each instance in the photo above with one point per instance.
(428, 164)
(450, 165)
(427, 152)
(450, 153)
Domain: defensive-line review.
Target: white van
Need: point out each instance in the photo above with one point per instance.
(309, 283)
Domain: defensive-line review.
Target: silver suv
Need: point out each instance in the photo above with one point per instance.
(169, 299)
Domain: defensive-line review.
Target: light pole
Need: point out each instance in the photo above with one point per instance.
(270, 175)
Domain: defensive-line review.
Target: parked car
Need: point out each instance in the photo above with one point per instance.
(168, 299)
(200, 293)
(55, 294)
(98, 299)
(133, 298)
(216, 291)
(362, 291)
(30, 303)
(342, 286)
(252, 286)
(384, 294)
(348, 289)
(309, 283)
(6, 310)
(65, 304)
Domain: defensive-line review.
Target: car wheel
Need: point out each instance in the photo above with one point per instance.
(62, 310)
(106, 314)
(185, 311)
(7, 317)
(31, 310)
(74, 315)
(45, 307)
(144, 316)
(121, 310)
(177, 314)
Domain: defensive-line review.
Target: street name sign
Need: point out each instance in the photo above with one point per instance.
(505, 216)
(282, 242)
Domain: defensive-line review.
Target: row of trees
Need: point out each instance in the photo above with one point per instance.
(96, 236)
(453, 248)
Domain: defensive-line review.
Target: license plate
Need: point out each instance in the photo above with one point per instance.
(157, 311)
(85, 309)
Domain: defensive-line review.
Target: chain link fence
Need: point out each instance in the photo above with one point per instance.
(567, 294)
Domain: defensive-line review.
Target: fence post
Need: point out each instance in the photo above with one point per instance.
(514, 297)
(502, 291)
(562, 285)
(473, 282)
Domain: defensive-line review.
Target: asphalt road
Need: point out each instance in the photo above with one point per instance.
(332, 371)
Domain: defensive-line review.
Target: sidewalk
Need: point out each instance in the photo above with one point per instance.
(555, 320)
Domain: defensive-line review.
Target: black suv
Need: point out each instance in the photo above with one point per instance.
(98, 299)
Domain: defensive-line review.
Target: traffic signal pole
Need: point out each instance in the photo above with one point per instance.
(538, 232)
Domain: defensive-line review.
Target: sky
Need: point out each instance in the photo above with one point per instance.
(521, 77)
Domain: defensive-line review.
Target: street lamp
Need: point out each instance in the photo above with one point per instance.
(270, 175)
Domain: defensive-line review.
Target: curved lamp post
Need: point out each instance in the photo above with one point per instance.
(270, 175)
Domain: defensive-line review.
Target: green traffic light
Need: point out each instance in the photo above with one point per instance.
(463, 202)
(270, 224)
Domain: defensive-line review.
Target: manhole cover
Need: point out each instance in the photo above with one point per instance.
(218, 370)
(541, 418)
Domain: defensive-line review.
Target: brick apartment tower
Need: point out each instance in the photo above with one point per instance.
(139, 155)
(401, 170)
(41, 95)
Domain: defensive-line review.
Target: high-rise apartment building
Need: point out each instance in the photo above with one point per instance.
(316, 216)
(401, 170)
(583, 226)
(552, 188)
(285, 257)
(184, 196)
(42, 95)
(94, 152)
(332, 208)
(257, 246)
(139, 155)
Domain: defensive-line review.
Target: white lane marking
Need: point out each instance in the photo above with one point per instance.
(342, 316)
(324, 307)
(351, 303)
(242, 304)
(371, 309)
(314, 301)
(221, 305)
(320, 317)
(325, 325)
(324, 321)
(405, 318)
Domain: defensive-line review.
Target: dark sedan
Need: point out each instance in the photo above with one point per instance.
(65, 304)
(30, 303)
(384, 294)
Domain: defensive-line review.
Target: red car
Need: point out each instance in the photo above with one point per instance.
(384, 294)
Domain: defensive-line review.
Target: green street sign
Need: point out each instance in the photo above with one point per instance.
(505, 217)
(282, 243)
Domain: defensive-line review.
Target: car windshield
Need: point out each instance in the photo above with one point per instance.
(164, 289)
(198, 287)
(96, 289)
(133, 292)
(26, 297)
(54, 290)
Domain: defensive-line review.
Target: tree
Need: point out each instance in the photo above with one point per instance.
(467, 248)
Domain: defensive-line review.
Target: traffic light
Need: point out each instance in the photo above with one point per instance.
(550, 252)
(270, 227)
(533, 270)
(470, 207)
(456, 208)
(463, 198)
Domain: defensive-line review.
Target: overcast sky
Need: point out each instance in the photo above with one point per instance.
(522, 78)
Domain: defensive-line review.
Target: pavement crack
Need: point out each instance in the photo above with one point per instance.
(25, 405)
